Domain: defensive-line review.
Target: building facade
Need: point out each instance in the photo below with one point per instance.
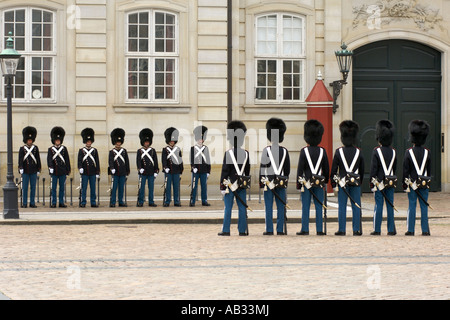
(135, 64)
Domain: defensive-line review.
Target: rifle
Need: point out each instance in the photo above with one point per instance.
(325, 218)
(164, 186)
(191, 199)
(79, 193)
(139, 188)
(43, 192)
(71, 194)
(98, 191)
(20, 185)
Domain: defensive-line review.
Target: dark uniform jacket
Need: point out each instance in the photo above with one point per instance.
(90, 165)
(228, 168)
(337, 167)
(59, 162)
(120, 164)
(29, 164)
(148, 162)
(174, 162)
(266, 169)
(409, 170)
(376, 167)
(200, 160)
(304, 169)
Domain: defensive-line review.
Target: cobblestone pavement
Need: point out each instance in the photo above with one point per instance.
(189, 261)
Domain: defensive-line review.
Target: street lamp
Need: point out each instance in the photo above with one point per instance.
(344, 59)
(9, 60)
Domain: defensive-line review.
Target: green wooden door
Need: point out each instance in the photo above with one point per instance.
(397, 80)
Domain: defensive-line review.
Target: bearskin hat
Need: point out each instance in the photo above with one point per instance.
(88, 134)
(29, 133)
(313, 132)
(418, 132)
(146, 135)
(200, 133)
(171, 134)
(349, 131)
(117, 135)
(385, 132)
(276, 124)
(236, 131)
(57, 133)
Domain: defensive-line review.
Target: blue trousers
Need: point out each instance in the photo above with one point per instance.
(203, 177)
(29, 179)
(306, 204)
(150, 180)
(378, 210)
(268, 202)
(411, 218)
(355, 193)
(119, 188)
(91, 179)
(242, 217)
(61, 180)
(173, 181)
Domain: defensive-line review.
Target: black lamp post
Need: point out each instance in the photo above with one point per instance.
(9, 59)
(344, 59)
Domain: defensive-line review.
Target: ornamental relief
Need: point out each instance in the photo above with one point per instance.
(384, 12)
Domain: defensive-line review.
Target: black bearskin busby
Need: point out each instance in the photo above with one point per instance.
(385, 132)
(200, 133)
(275, 124)
(117, 135)
(171, 134)
(88, 134)
(29, 133)
(313, 132)
(146, 135)
(418, 132)
(236, 131)
(57, 133)
(349, 131)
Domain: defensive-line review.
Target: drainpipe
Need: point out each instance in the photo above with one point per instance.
(229, 62)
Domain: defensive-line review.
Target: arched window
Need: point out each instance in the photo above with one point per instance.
(152, 56)
(280, 58)
(33, 31)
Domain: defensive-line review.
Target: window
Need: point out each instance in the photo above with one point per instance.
(33, 32)
(152, 57)
(280, 58)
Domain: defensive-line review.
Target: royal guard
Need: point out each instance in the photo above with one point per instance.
(235, 178)
(274, 175)
(58, 162)
(383, 179)
(147, 166)
(313, 175)
(89, 167)
(347, 171)
(416, 175)
(29, 165)
(173, 167)
(119, 167)
(200, 166)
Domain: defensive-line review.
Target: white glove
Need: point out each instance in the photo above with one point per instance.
(38, 173)
(141, 171)
(155, 174)
(81, 171)
(51, 170)
(21, 171)
(207, 175)
(113, 171)
(167, 170)
(224, 192)
(195, 170)
(97, 176)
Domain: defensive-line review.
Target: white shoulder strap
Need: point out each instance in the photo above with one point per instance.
(344, 161)
(387, 171)
(314, 169)
(240, 171)
(276, 170)
(420, 171)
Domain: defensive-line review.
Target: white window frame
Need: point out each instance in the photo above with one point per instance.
(152, 56)
(279, 57)
(28, 55)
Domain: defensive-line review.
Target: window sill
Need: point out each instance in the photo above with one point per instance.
(35, 107)
(146, 108)
(275, 108)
